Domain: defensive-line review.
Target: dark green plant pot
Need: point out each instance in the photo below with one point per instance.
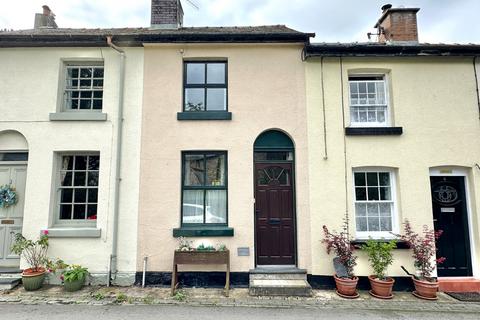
(75, 285)
(32, 282)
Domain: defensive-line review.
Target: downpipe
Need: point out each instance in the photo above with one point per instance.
(116, 204)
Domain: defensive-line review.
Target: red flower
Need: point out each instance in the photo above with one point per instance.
(45, 232)
(92, 217)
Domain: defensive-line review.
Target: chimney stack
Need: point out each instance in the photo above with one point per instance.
(397, 25)
(167, 14)
(45, 19)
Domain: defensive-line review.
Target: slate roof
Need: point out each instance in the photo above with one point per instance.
(138, 36)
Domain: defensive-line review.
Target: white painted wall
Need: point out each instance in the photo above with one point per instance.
(29, 89)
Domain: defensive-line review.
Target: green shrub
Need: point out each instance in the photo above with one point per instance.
(380, 256)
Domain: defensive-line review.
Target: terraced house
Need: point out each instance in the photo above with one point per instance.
(121, 141)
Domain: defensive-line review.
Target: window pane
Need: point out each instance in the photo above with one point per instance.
(194, 99)
(192, 207)
(92, 212)
(361, 224)
(361, 194)
(384, 178)
(360, 209)
(385, 193)
(359, 179)
(80, 195)
(216, 99)
(372, 209)
(372, 179)
(66, 179)
(93, 195)
(194, 167)
(92, 179)
(66, 196)
(216, 206)
(98, 72)
(385, 224)
(65, 212)
(216, 73)
(373, 194)
(79, 211)
(67, 162)
(385, 209)
(80, 163)
(373, 224)
(195, 73)
(93, 162)
(79, 179)
(85, 73)
(215, 169)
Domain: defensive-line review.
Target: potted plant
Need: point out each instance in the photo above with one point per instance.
(344, 262)
(380, 257)
(74, 277)
(35, 254)
(424, 252)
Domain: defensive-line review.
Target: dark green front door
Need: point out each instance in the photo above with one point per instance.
(450, 215)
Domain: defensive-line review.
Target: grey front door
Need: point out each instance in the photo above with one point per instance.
(11, 218)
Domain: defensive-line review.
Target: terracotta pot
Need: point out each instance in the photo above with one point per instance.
(33, 280)
(425, 289)
(381, 288)
(346, 286)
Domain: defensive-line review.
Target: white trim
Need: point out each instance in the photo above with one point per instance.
(361, 235)
(461, 172)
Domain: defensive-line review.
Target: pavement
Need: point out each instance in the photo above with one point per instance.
(239, 297)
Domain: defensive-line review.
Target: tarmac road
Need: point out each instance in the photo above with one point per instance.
(146, 312)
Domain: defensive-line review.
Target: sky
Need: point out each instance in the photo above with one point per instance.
(440, 21)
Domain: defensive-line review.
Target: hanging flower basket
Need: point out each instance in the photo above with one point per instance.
(8, 196)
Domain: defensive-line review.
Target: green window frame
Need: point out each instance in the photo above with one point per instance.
(205, 86)
(204, 199)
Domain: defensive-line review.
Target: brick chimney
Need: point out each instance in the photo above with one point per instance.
(397, 25)
(45, 19)
(167, 14)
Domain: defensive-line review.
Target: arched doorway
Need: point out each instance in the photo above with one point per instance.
(275, 233)
(13, 173)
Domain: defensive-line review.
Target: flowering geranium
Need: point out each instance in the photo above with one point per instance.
(423, 248)
(339, 243)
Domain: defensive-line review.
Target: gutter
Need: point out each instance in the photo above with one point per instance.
(116, 204)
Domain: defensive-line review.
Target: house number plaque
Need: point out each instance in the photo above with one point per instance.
(8, 221)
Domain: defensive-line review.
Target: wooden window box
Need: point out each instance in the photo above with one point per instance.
(201, 258)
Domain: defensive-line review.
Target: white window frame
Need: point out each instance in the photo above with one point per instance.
(395, 218)
(57, 222)
(387, 123)
(82, 63)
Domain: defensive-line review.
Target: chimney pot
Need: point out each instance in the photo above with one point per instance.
(46, 10)
(385, 7)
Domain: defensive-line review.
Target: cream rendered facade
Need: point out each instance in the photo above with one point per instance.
(266, 90)
(434, 100)
(30, 86)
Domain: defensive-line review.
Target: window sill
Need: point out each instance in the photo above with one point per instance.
(203, 231)
(78, 116)
(74, 232)
(204, 115)
(357, 243)
(373, 131)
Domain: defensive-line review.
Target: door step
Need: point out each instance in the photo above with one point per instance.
(279, 282)
(9, 280)
(458, 284)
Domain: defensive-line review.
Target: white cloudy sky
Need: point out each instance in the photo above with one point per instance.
(332, 20)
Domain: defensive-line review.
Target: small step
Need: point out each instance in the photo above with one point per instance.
(458, 284)
(279, 282)
(9, 280)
